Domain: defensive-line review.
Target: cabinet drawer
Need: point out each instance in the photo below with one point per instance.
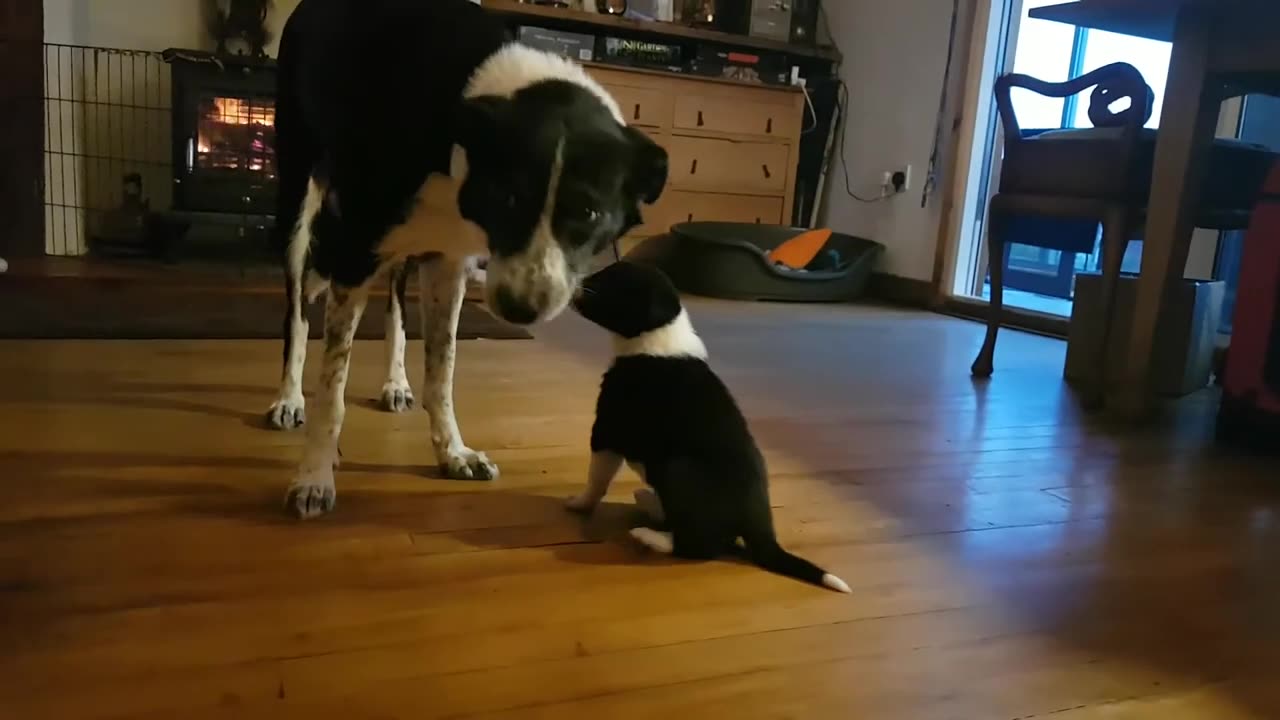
(677, 206)
(739, 117)
(642, 107)
(725, 165)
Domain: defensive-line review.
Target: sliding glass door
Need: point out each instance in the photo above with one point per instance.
(1040, 279)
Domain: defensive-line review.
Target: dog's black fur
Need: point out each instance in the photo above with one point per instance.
(372, 100)
(665, 412)
(413, 129)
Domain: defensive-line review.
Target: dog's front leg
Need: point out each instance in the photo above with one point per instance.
(288, 410)
(443, 284)
(312, 491)
(397, 396)
(604, 468)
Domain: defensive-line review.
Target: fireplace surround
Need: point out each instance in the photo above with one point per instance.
(223, 133)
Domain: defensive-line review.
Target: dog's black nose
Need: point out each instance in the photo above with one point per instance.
(513, 309)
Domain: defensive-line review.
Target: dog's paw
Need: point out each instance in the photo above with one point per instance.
(287, 413)
(655, 540)
(467, 464)
(580, 504)
(311, 496)
(397, 397)
(649, 504)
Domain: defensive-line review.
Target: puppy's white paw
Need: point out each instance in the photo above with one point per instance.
(287, 413)
(311, 495)
(649, 504)
(467, 464)
(657, 541)
(581, 504)
(397, 397)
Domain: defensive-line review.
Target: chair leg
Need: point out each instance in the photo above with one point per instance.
(1115, 240)
(984, 364)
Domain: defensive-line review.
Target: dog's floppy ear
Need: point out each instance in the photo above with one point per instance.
(648, 166)
(480, 121)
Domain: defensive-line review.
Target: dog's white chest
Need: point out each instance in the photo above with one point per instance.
(434, 225)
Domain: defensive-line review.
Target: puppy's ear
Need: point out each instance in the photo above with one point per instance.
(480, 121)
(648, 166)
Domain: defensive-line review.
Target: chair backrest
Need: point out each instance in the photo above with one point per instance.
(1066, 167)
(1111, 83)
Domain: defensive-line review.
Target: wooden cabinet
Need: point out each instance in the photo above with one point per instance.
(740, 116)
(717, 164)
(642, 107)
(677, 206)
(733, 147)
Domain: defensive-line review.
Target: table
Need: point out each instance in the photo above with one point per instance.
(1221, 48)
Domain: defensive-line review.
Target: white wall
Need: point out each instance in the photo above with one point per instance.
(894, 62)
(139, 24)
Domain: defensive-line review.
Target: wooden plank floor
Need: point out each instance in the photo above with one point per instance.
(1009, 558)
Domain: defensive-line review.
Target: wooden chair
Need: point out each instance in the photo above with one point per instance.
(1099, 175)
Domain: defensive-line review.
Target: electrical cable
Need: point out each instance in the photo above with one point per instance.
(931, 177)
(813, 111)
(842, 109)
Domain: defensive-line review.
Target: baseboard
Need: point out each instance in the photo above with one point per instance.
(902, 291)
(83, 299)
(1014, 318)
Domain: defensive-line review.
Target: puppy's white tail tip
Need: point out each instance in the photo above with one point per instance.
(836, 583)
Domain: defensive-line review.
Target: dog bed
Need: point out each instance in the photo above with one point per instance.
(731, 261)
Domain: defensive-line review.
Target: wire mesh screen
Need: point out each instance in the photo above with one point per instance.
(108, 139)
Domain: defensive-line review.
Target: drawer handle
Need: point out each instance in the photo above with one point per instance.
(636, 114)
(694, 169)
(768, 127)
(767, 174)
(701, 122)
(690, 217)
(757, 221)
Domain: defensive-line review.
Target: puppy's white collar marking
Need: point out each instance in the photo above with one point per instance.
(675, 339)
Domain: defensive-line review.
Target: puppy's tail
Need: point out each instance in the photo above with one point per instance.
(764, 550)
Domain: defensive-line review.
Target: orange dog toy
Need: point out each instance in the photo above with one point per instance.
(800, 250)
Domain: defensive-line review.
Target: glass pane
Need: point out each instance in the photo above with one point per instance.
(1151, 57)
(1044, 52)
(1033, 259)
(1230, 255)
(236, 133)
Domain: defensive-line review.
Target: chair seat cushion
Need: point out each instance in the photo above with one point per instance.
(1091, 162)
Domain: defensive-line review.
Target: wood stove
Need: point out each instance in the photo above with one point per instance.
(224, 159)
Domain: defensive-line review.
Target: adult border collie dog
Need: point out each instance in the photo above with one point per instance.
(413, 130)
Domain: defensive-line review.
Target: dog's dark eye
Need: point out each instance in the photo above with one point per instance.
(584, 214)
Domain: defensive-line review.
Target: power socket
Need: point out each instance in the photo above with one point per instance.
(896, 182)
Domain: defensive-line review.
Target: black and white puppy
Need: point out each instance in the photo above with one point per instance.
(410, 129)
(665, 413)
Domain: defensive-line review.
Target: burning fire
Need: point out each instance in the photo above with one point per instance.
(225, 123)
(240, 111)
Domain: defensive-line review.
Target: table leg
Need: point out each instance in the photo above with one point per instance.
(1187, 128)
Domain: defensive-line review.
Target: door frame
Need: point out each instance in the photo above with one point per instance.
(22, 102)
(966, 222)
